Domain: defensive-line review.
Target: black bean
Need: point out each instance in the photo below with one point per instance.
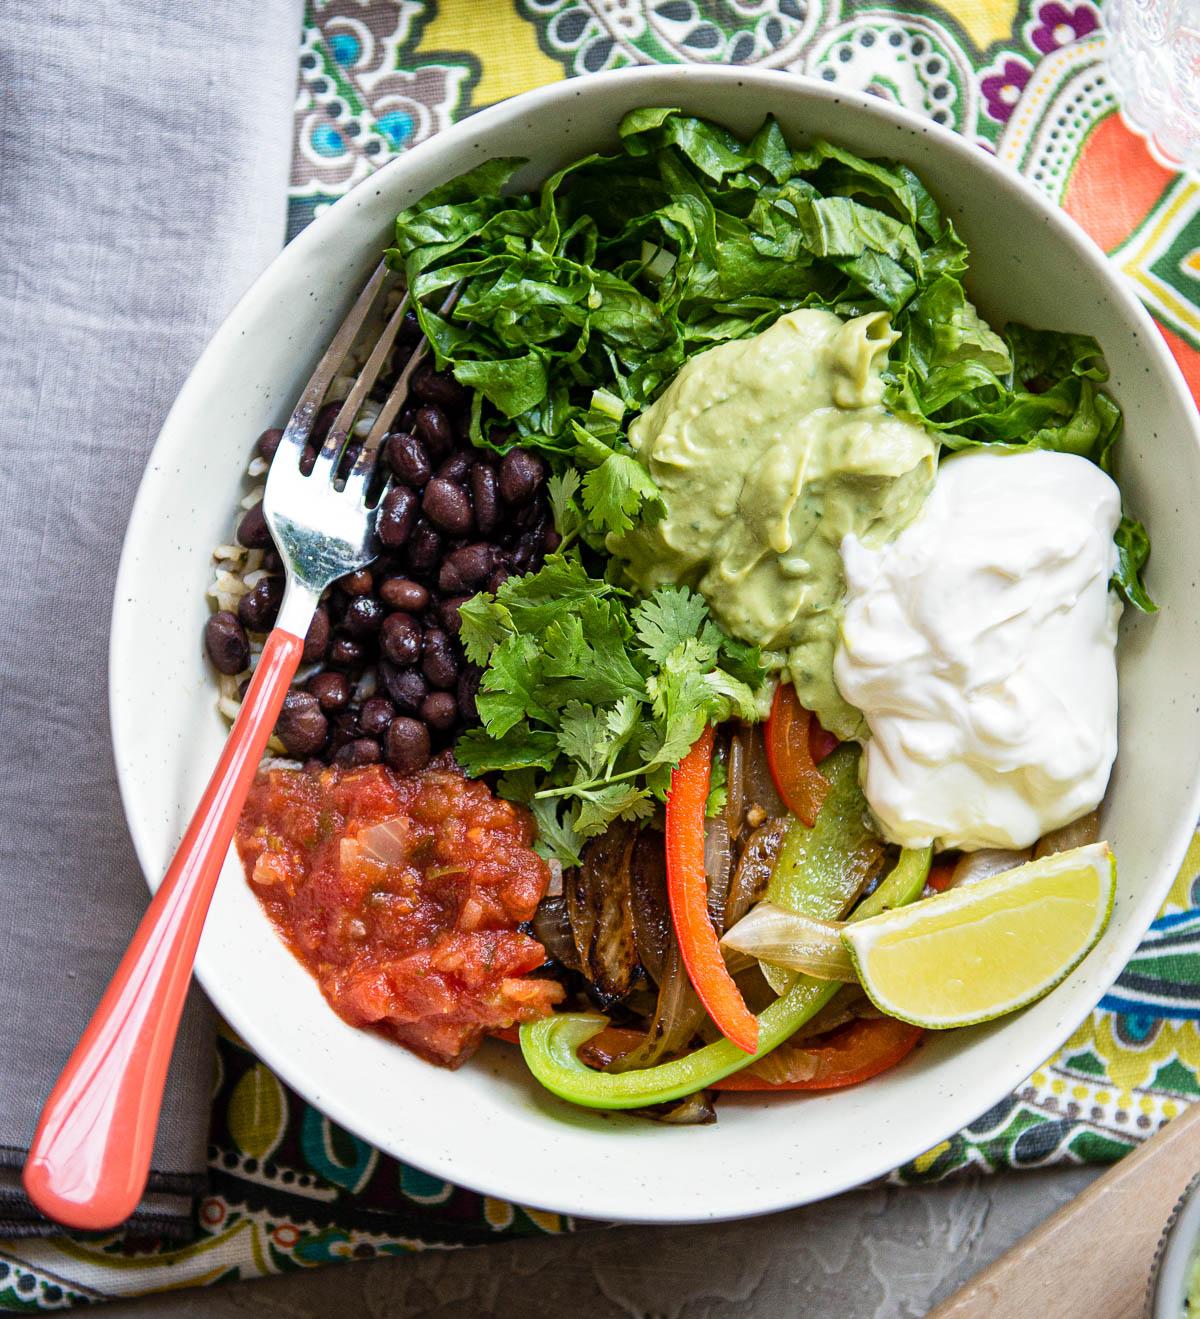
(362, 751)
(498, 578)
(439, 663)
(467, 569)
(268, 442)
(406, 687)
(364, 616)
(400, 593)
(551, 540)
(271, 561)
(345, 729)
(308, 459)
(531, 515)
(324, 419)
(376, 713)
(397, 515)
(456, 468)
(302, 727)
(520, 475)
(448, 613)
(485, 495)
(439, 710)
(406, 457)
(525, 552)
(410, 328)
(316, 642)
(258, 607)
(406, 745)
(439, 388)
(226, 642)
(357, 583)
(446, 505)
(243, 688)
(253, 531)
(433, 427)
(400, 639)
(424, 550)
(346, 653)
(468, 685)
(332, 690)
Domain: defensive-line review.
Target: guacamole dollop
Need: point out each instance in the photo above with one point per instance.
(768, 451)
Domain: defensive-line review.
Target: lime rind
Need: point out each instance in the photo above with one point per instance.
(861, 939)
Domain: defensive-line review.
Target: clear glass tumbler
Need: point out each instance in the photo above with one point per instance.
(1154, 64)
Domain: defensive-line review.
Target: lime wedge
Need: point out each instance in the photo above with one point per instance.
(979, 951)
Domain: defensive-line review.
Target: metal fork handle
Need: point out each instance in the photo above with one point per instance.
(90, 1155)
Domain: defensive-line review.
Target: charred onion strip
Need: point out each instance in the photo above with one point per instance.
(600, 909)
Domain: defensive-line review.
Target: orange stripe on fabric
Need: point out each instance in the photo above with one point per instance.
(1114, 184)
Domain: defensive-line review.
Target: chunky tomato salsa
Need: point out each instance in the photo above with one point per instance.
(402, 896)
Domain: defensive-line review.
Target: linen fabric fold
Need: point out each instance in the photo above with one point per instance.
(145, 153)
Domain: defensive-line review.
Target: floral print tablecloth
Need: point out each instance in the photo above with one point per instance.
(1023, 79)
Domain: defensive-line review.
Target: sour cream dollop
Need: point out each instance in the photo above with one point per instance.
(980, 646)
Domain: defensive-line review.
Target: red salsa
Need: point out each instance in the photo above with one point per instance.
(402, 896)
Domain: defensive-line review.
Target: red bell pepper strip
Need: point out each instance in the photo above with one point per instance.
(820, 742)
(688, 896)
(852, 1053)
(940, 875)
(790, 755)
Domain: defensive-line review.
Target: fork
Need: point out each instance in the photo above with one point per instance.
(90, 1156)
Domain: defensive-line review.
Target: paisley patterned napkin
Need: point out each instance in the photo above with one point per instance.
(1022, 78)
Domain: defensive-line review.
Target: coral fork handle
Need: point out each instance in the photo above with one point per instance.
(90, 1156)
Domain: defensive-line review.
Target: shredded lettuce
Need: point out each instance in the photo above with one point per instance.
(602, 283)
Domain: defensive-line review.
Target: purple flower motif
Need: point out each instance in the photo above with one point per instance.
(1058, 26)
(1002, 90)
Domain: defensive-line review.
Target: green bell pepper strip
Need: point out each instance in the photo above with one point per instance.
(550, 1046)
(821, 869)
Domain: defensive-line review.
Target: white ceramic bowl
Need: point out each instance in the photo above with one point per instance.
(489, 1126)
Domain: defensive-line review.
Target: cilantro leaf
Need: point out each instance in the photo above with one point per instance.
(583, 736)
(509, 689)
(561, 490)
(557, 836)
(478, 752)
(588, 650)
(599, 807)
(483, 625)
(671, 616)
(618, 490)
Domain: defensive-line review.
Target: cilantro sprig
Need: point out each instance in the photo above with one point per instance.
(589, 700)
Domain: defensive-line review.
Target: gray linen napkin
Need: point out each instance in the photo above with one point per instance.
(144, 155)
